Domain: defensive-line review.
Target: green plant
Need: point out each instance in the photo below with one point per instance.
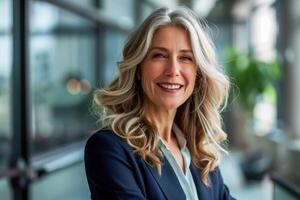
(250, 77)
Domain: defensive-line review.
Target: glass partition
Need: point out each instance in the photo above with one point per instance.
(121, 11)
(284, 190)
(67, 184)
(86, 3)
(62, 64)
(113, 46)
(281, 193)
(4, 189)
(5, 78)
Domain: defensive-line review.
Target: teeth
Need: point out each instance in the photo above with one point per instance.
(169, 86)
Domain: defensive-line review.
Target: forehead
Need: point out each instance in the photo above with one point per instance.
(171, 35)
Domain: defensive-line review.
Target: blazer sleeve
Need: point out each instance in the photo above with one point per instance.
(109, 172)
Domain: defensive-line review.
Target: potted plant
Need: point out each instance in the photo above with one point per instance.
(251, 80)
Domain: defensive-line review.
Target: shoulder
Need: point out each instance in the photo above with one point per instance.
(216, 179)
(105, 149)
(100, 135)
(106, 139)
(216, 176)
(112, 167)
(220, 189)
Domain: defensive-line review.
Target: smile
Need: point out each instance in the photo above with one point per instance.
(169, 86)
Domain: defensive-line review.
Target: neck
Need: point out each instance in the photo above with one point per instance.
(162, 120)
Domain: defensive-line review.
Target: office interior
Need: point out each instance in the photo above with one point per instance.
(55, 53)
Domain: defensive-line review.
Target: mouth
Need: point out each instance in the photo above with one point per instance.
(170, 86)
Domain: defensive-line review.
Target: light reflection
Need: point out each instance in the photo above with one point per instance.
(43, 17)
(85, 86)
(75, 86)
(263, 34)
(264, 114)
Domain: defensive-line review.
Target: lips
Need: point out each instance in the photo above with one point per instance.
(170, 86)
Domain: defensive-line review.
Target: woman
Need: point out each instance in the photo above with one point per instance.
(162, 116)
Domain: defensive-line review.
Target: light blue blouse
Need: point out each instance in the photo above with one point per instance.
(186, 180)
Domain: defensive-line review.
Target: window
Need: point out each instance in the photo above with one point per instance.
(5, 77)
(5, 91)
(62, 64)
(113, 53)
(121, 11)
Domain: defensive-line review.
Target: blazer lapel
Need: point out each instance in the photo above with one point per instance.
(168, 181)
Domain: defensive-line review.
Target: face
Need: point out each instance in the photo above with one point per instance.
(168, 72)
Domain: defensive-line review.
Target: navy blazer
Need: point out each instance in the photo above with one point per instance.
(114, 171)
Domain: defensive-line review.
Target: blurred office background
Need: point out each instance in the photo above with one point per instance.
(54, 53)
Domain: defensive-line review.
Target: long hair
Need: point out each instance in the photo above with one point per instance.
(121, 102)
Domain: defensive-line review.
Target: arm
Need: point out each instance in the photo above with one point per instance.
(108, 171)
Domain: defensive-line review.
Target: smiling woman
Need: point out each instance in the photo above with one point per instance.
(168, 72)
(162, 125)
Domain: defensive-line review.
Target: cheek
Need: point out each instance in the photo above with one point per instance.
(151, 72)
(191, 77)
(148, 75)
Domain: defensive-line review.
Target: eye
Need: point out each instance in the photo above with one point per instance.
(186, 58)
(159, 55)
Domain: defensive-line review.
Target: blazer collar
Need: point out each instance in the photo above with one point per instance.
(168, 181)
(170, 185)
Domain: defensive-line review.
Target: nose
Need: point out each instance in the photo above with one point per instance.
(172, 67)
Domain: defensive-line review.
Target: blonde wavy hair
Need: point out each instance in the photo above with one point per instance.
(121, 102)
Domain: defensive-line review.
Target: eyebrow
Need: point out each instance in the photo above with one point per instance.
(165, 49)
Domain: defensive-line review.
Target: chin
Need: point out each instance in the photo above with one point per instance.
(171, 105)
